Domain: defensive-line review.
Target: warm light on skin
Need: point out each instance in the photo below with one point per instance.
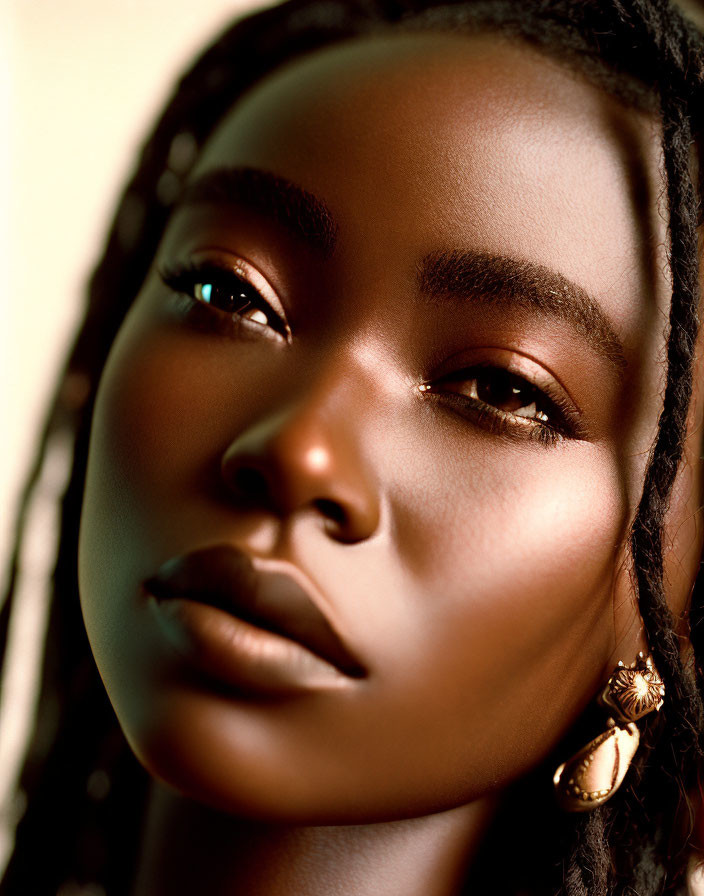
(473, 568)
(318, 458)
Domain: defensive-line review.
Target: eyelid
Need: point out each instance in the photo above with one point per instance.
(227, 263)
(521, 365)
(514, 361)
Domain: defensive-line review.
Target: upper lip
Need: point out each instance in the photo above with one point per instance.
(225, 577)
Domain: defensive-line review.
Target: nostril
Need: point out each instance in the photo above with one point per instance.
(250, 484)
(331, 509)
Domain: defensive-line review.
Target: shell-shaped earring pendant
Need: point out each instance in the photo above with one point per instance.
(591, 776)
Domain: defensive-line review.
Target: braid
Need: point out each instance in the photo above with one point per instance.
(588, 867)
(641, 51)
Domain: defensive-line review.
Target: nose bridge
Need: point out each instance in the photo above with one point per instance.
(319, 415)
(308, 452)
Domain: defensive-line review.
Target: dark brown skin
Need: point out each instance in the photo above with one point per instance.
(473, 561)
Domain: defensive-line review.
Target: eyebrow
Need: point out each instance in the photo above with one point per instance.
(457, 275)
(304, 216)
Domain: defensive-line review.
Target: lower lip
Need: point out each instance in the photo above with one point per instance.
(241, 655)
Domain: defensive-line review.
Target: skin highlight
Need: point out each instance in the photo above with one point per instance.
(473, 568)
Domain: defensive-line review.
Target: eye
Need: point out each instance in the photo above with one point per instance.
(239, 292)
(504, 401)
(506, 392)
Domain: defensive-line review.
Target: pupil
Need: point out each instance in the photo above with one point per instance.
(503, 391)
(227, 300)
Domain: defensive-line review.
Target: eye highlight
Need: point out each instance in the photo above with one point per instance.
(236, 290)
(507, 403)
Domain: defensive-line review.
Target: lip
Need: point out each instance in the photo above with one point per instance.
(249, 623)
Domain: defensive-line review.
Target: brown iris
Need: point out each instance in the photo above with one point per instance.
(501, 390)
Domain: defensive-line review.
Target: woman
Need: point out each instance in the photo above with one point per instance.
(386, 462)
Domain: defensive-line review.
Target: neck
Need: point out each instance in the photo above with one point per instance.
(189, 849)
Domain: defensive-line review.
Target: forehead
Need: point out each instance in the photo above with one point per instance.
(420, 140)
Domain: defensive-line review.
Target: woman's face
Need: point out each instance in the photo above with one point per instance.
(393, 376)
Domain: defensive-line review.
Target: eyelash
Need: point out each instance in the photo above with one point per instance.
(186, 278)
(562, 421)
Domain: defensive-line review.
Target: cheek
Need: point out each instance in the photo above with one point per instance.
(514, 554)
(160, 411)
(154, 440)
(165, 414)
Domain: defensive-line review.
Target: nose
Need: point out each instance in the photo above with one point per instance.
(305, 458)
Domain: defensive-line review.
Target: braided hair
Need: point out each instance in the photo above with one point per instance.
(84, 792)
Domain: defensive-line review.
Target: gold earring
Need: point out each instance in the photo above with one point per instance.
(595, 773)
